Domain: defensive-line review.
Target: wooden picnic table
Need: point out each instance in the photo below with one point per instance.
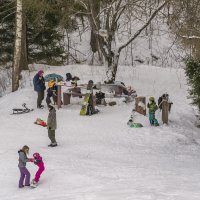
(73, 90)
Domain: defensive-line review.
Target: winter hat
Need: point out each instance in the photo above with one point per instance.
(36, 155)
(68, 77)
(90, 82)
(151, 99)
(40, 72)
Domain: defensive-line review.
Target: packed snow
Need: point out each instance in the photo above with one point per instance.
(99, 157)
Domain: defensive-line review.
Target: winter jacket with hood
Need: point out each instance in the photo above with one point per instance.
(39, 84)
(152, 107)
(22, 159)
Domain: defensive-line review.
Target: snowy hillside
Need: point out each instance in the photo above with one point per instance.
(99, 157)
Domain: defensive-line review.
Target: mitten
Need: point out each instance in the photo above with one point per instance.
(31, 159)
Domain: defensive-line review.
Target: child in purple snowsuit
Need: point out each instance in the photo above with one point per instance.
(38, 161)
(24, 173)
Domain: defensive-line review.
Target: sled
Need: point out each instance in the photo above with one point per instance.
(131, 122)
(134, 125)
(40, 122)
(21, 110)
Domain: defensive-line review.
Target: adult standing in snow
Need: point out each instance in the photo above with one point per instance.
(39, 87)
(52, 125)
(24, 173)
(165, 96)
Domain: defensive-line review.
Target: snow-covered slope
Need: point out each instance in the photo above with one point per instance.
(99, 157)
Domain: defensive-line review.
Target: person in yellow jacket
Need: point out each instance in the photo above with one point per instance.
(51, 92)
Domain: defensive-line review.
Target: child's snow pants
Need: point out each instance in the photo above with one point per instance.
(24, 174)
(39, 172)
(152, 119)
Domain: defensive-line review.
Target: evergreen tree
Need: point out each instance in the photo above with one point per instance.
(7, 33)
(45, 40)
(193, 73)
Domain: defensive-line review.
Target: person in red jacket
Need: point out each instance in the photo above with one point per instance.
(39, 162)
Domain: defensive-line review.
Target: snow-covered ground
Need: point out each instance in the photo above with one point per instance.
(99, 157)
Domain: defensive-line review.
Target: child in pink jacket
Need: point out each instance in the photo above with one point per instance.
(38, 161)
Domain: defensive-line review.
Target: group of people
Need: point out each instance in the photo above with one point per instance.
(39, 87)
(24, 173)
(153, 107)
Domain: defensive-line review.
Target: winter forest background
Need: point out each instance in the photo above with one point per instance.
(95, 32)
(152, 46)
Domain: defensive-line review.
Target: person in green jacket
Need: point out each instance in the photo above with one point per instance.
(52, 125)
(152, 109)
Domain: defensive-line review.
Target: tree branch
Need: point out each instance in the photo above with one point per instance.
(7, 16)
(143, 27)
(7, 4)
(190, 37)
(5, 11)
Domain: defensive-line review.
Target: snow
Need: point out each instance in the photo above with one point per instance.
(99, 157)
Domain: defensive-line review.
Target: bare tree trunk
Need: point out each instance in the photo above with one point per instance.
(18, 47)
(112, 68)
(94, 43)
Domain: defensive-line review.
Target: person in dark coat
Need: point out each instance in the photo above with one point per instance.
(39, 87)
(52, 125)
(165, 96)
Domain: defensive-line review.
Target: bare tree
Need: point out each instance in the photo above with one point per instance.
(110, 14)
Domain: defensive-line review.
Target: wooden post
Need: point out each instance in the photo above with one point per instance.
(66, 98)
(140, 105)
(118, 91)
(165, 111)
(59, 96)
(76, 92)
